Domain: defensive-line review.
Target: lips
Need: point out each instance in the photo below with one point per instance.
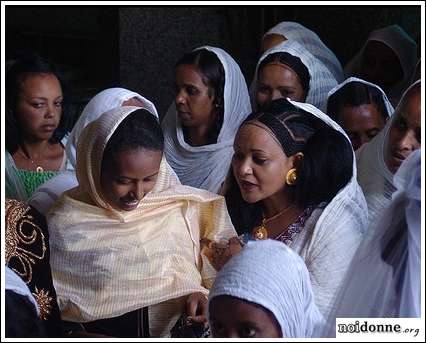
(129, 205)
(398, 157)
(184, 115)
(247, 186)
(48, 127)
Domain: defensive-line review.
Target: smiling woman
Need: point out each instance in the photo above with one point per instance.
(36, 123)
(133, 232)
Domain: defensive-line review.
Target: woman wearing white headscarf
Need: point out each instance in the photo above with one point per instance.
(391, 68)
(272, 277)
(316, 80)
(361, 108)
(288, 30)
(384, 278)
(379, 159)
(45, 195)
(281, 156)
(126, 241)
(226, 104)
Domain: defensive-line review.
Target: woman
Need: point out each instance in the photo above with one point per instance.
(288, 70)
(288, 30)
(390, 252)
(248, 301)
(211, 102)
(387, 59)
(379, 159)
(36, 122)
(281, 155)
(132, 232)
(46, 194)
(360, 108)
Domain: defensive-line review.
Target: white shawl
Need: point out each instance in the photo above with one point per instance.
(270, 274)
(311, 42)
(386, 101)
(402, 45)
(206, 166)
(374, 176)
(327, 244)
(322, 80)
(45, 195)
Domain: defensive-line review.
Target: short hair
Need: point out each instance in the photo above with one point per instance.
(213, 76)
(326, 167)
(354, 94)
(140, 130)
(31, 64)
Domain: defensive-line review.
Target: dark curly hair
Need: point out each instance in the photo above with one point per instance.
(16, 73)
(213, 76)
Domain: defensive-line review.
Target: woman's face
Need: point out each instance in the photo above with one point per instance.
(277, 81)
(129, 176)
(380, 65)
(235, 318)
(259, 163)
(39, 105)
(404, 133)
(361, 123)
(194, 100)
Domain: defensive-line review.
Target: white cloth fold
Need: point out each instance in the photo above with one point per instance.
(311, 42)
(270, 274)
(206, 166)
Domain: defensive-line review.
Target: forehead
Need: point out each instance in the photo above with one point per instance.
(278, 71)
(40, 81)
(188, 72)
(135, 161)
(255, 135)
(360, 115)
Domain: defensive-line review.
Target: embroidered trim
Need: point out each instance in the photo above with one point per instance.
(287, 235)
(19, 243)
(44, 301)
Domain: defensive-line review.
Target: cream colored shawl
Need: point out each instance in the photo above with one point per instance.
(105, 262)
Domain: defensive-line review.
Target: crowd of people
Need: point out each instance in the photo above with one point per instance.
(259, 210)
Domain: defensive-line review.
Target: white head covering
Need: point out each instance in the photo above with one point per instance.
(311, 42)
(402, 45)
(15, 284)
(388, 105)
(100, 103)
(374, 176)
(322, 80)
(270, 274)
(45, 195)
(391, 253)
(206, 166)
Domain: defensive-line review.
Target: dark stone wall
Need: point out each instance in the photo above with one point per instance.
(137, 46)
(153, 39)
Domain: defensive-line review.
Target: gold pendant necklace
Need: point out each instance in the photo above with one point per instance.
(38, 168)
(261, 232)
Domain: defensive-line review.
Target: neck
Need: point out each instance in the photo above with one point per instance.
(197, 136)
(277, 203)
(34, 148)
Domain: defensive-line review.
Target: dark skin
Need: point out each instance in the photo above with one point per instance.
(232, 317)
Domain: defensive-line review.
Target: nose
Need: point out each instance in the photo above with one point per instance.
(409, 141)
(243, 167)
(180, 97)
(276, 95)
(50, 111)
(138, 190)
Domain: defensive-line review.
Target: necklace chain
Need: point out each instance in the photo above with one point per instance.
(267, 220)
(39, 169)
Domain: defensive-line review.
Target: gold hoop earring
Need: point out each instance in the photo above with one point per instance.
(291, 177)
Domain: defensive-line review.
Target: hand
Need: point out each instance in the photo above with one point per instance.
(220, 253)
(196, 308)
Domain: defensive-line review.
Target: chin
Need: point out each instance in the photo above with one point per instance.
(250, 198)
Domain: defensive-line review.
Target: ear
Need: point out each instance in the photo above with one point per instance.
(297, 159)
